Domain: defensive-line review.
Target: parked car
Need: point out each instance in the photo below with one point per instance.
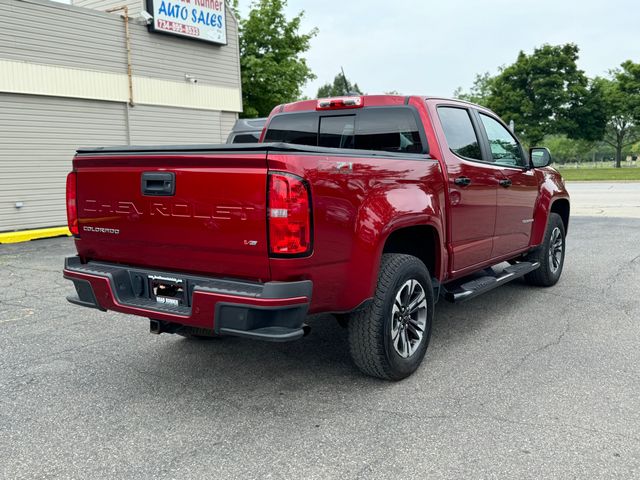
(247, 130)
(370, 208)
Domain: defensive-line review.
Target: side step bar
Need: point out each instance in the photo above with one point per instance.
(460, 292)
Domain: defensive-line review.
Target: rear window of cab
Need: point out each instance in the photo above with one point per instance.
(387, 129)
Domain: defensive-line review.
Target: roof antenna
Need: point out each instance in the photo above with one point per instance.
(346, 83)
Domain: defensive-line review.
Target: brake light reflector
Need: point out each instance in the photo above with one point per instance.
(72, 206)
(289, 215)
(339, 103)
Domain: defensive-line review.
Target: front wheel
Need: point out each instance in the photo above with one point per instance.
(389, 338)
(550, 254)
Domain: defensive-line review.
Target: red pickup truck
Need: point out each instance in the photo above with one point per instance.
(368, 207)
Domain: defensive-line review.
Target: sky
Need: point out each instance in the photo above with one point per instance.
(431, 47)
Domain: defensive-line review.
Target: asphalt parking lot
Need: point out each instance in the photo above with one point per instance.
(519, 383)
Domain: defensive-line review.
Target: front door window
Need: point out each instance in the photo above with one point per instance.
(505, 149)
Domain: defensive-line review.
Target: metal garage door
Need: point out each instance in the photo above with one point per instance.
(38, 136)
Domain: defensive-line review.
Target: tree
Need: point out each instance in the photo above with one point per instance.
(480, 91)
(545, 93)
(629, 78)
(621, 94)
(271, 47)
(565, 150)
(340, 86)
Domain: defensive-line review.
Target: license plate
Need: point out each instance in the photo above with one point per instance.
(168, 290)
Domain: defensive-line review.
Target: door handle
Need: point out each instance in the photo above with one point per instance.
(462, 181)
(506, 183)
(158, 184)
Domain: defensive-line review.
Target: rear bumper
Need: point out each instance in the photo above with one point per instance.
(268, 311)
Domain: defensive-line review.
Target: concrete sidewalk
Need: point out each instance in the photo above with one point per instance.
(605, 199)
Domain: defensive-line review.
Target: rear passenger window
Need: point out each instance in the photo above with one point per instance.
(458, 129)
(298, 128)
(337, 132)
(389, 130)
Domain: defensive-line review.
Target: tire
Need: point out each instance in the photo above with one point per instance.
(550, 254)
(384, 342)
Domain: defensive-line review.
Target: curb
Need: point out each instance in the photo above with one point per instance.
(26, 235)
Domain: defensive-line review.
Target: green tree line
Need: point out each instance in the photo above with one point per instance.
(553, 103)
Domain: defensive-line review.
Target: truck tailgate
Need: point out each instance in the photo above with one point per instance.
(211, 221)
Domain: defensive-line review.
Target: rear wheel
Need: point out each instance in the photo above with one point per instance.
(388, 339)
(550, 254)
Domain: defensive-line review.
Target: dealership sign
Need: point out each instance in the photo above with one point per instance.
(199, 19)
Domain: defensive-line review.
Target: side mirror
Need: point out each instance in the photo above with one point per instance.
(540, 157)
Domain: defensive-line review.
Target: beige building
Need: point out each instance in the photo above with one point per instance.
(70, 77)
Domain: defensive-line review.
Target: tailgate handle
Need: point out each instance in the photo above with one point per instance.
(159, 183)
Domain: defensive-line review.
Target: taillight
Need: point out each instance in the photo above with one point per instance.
(72, 206)
(289, 215)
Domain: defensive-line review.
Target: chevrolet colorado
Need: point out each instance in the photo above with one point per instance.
(368, 207)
